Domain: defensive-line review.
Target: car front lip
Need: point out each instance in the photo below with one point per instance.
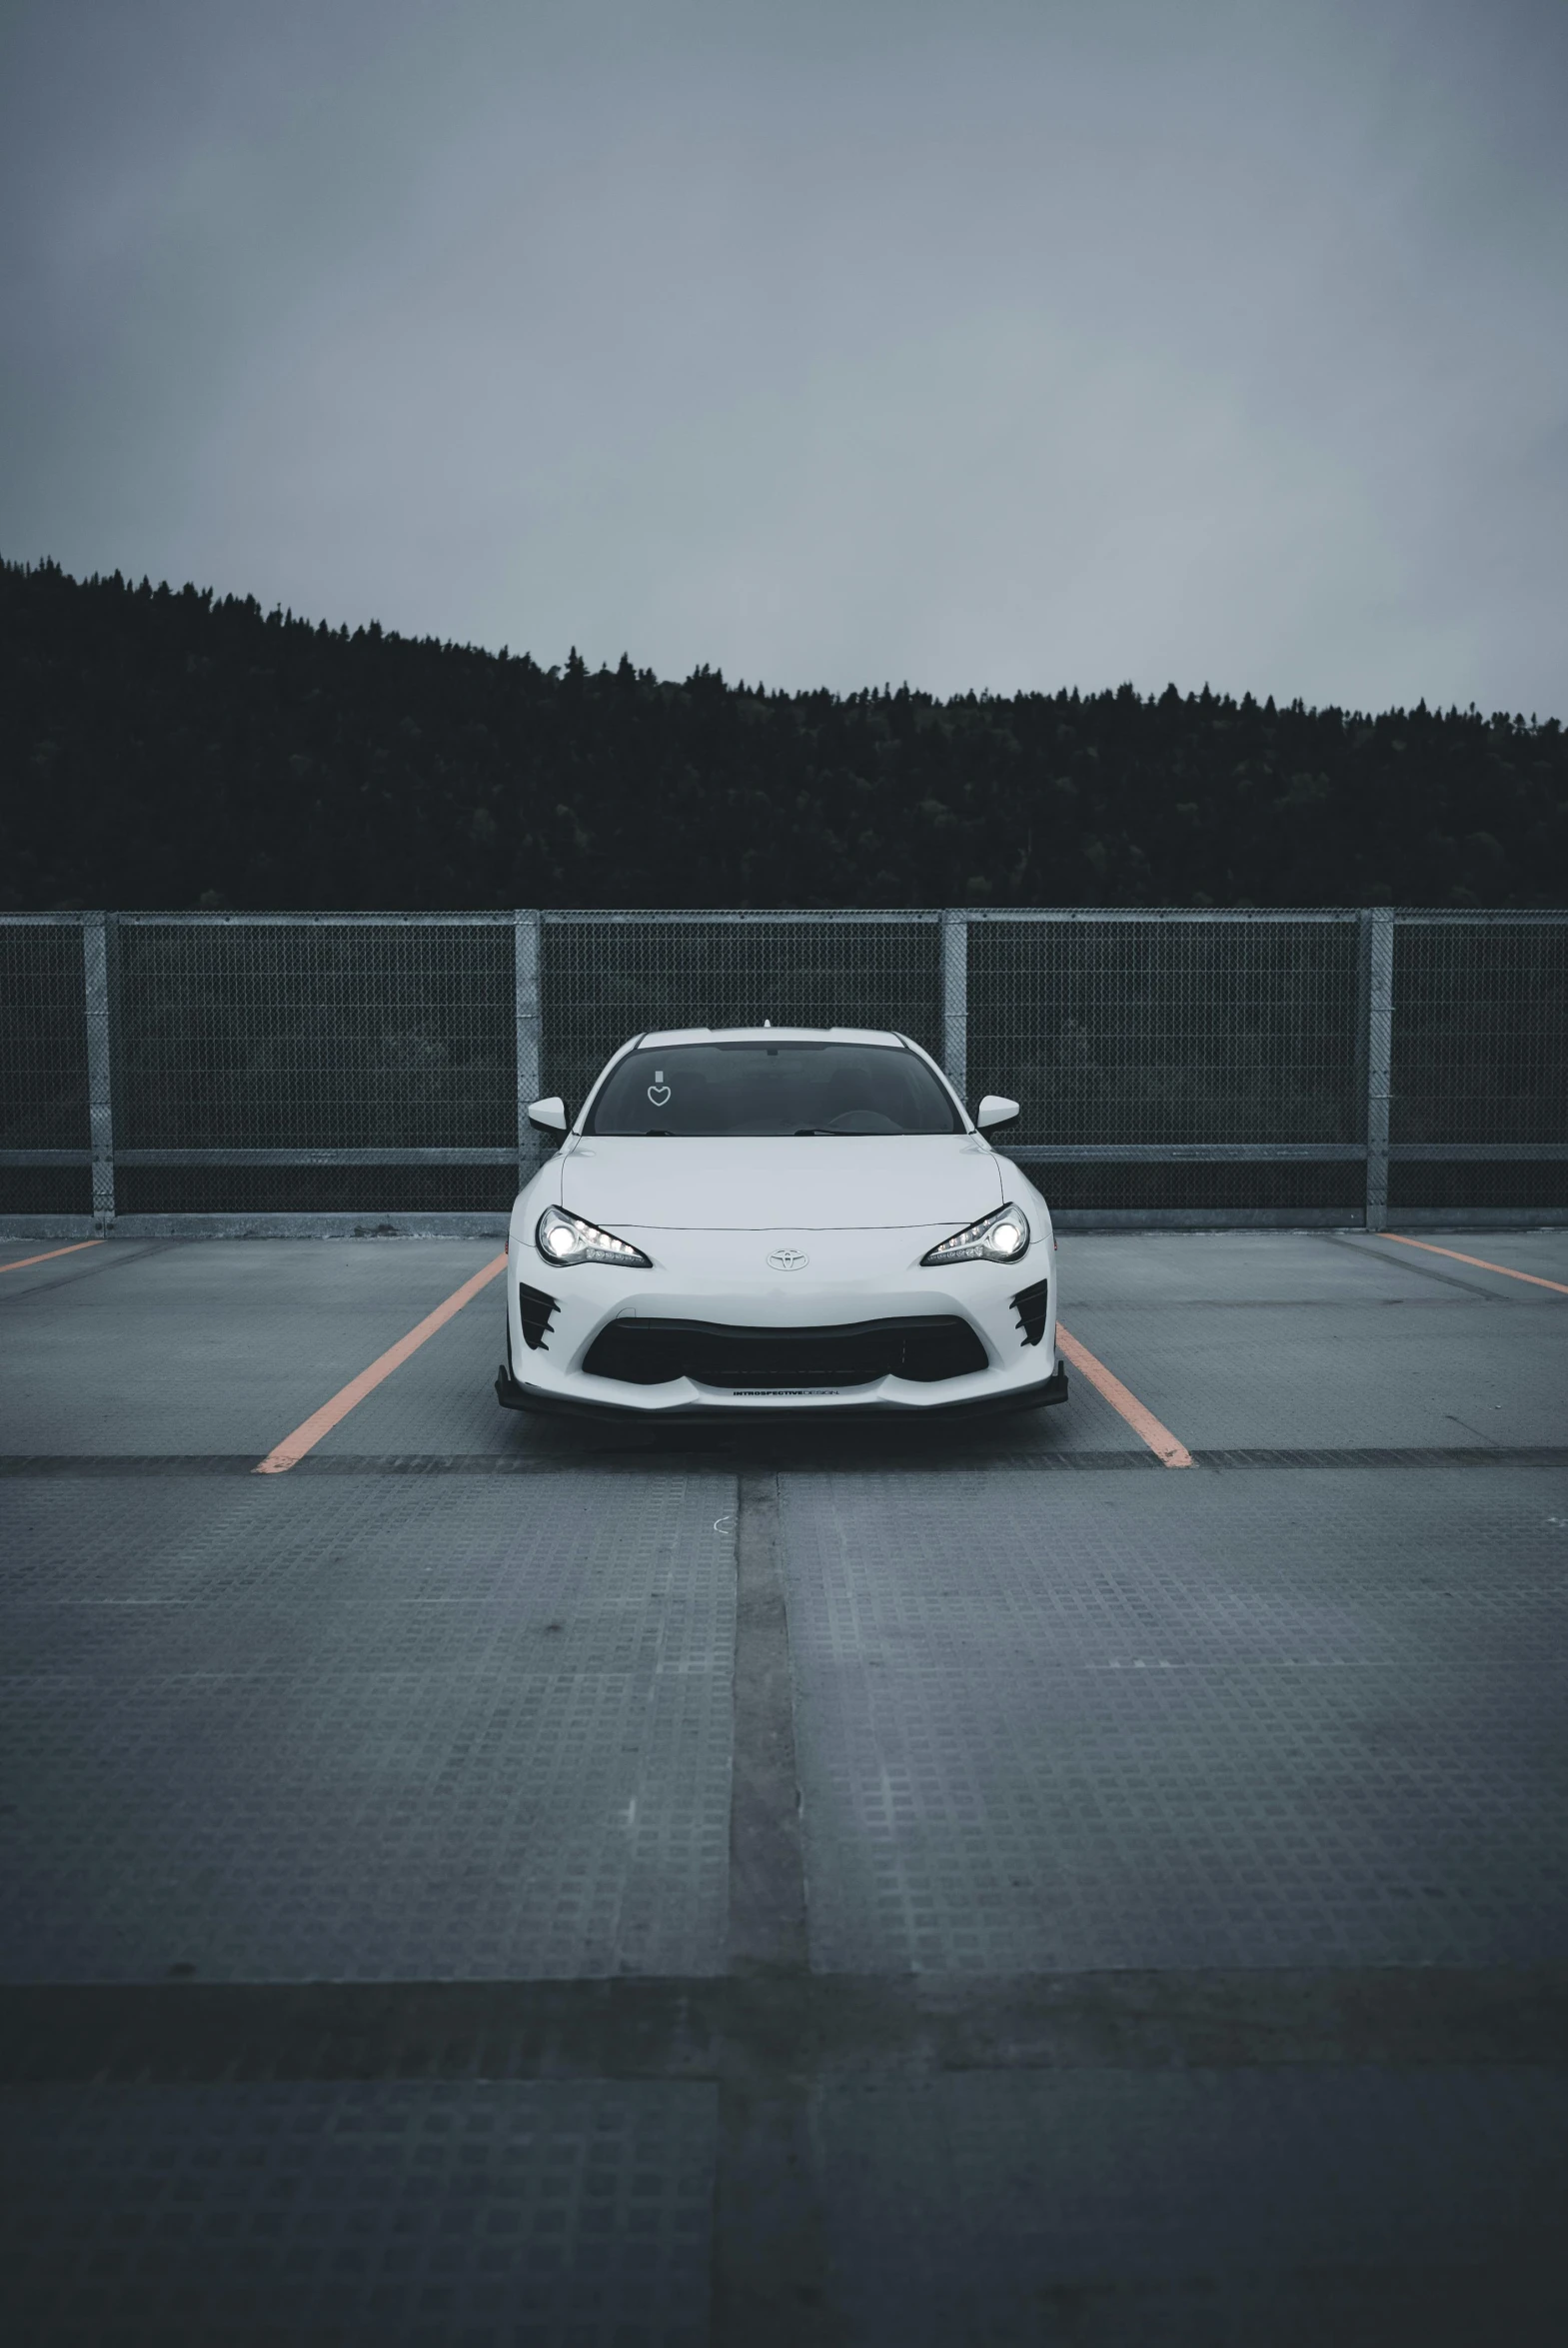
(573, 1399)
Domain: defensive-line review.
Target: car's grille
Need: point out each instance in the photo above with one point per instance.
(650, 1352)
(1033, 1306)
(535, 1310)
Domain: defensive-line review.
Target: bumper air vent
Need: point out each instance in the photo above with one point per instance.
(536, 1308)
(1033, 1306)
(856, 1353)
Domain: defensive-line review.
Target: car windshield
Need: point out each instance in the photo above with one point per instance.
(772, 1088)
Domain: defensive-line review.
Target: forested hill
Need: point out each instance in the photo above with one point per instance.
(162, 747)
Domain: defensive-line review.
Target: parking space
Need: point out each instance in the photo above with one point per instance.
(180, 1348)
(476, 1704)
(1323, 1342)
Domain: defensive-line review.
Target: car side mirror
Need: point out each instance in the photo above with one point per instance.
(995, 1109)
(548, 1115)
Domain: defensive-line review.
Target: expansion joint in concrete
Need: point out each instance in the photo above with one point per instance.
(769, 2277)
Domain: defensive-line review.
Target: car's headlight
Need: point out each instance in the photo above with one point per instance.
(566, 1239)
(997, 1239)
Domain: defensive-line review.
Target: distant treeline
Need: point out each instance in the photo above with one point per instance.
(167, 749)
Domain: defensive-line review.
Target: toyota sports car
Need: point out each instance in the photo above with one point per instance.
(778, 1219)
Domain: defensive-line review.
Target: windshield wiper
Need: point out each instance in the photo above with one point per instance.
(839, 1132)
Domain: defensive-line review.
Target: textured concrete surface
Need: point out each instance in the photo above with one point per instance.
(1201, 2208)
(348, 1729)
(1241, 1341)
(364, 2212)
(1276, 1718)
(1211, 1818)
(204, 1347)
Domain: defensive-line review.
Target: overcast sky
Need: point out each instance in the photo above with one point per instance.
(980, 342)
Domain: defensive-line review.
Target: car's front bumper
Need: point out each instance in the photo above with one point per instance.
(861, 1282)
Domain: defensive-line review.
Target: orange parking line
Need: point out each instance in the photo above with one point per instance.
(75, 1249)
(1479, 1261)
(1143, 1422)
(294, 1446)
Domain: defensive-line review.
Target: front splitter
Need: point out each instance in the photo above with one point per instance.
(512, 1395)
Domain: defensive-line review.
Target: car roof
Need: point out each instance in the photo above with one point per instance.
(773, 1034)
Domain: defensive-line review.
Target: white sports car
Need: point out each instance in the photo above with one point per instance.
(778, 1219)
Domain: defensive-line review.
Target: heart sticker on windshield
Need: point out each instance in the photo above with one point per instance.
(659, 1094)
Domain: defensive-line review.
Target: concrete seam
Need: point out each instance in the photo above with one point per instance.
(767, 1868)
(769, 2283)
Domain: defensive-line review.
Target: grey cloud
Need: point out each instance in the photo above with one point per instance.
(998, 346)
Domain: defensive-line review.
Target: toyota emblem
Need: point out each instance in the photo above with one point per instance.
(787, 1260)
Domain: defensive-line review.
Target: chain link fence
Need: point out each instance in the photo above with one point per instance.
(184, 1074)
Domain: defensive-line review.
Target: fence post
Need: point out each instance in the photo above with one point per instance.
(525, 932)
(100, 1097)
(1379, 1060)
(955, 997)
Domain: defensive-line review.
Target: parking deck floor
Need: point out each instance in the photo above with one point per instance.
(503, 1881)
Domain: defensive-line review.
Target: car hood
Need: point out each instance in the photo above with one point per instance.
(847, 1182)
